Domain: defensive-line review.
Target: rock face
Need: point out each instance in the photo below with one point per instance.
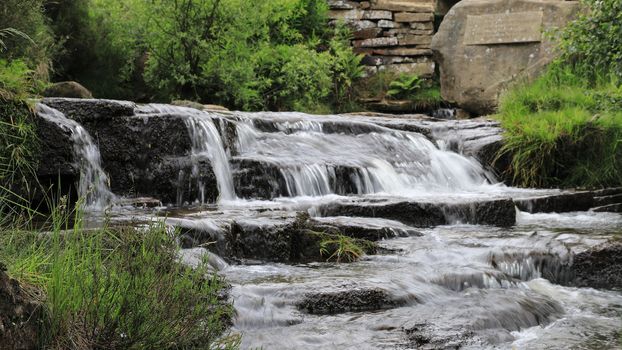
(143, 155)
(20, 316)
(69, 89)
(394, 35)
(483, 45)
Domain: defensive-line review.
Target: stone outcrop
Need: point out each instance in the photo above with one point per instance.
(69, 89)
(484, 45)
(144, 155)
(394, 35)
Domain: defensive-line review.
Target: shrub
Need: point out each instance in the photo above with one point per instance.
(26, 19)
(593, 42)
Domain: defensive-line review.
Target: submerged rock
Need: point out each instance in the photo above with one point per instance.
(348, 300)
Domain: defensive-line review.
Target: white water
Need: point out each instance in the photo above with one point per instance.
(93, 186)
(206, 145)
(381, 161)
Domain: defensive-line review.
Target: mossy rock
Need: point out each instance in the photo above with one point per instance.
(68, 89)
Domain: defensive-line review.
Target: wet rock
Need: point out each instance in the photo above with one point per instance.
(496, 212)
(350, 300)
(88, 109)
(69, 89)
(559, 203)
(144, 155)
(599, 267)
(257, 180)
(21, 315)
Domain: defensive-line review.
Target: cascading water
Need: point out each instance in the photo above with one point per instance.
(206, 145)
(379, 161)
(455, 285)
(93, 186)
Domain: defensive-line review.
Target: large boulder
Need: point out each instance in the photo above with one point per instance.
(483, 45)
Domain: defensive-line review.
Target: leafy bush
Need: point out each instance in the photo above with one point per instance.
(593, 42)
(29, 37)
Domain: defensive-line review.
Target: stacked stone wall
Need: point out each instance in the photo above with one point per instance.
(394, 35)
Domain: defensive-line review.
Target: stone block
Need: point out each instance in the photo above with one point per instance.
(345, 15)
(482, 46)
(342, 5)
(376, 42)
(367, 33)
(405, 5)
(374, 14)
(422, 26)
(415, 40)
(383, 23)
(414, 17)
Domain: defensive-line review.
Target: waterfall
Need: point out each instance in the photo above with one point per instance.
(207, 144)
(93, 184)
(315, 160)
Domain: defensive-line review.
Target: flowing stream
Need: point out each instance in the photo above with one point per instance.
(449, 286)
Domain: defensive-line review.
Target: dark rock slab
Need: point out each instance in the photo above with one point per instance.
(611, 208)
(347, 300)
(89, 109)
(559, 203)
(419, 214)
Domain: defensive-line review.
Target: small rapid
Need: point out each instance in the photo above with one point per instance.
(317, 162)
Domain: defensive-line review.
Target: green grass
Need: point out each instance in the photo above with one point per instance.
(117, 288)
(563, 131)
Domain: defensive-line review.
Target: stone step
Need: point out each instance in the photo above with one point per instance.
(428, 214)
(557, 203)
(610, 208)
(606, 200)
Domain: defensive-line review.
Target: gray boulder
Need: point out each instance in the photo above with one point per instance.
(483, 45)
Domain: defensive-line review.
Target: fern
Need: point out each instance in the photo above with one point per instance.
(405, 86)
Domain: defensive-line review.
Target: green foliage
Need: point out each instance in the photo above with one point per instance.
(9, 32)
(118, 289)
(593, 42)
(18, 150)
(26, 34)
(405, 86)
(563, 130)
(17, 81)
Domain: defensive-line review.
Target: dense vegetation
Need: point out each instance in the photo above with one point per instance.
(565, 128)
(276, 55)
